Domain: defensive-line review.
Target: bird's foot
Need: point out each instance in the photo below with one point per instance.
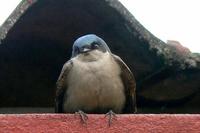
(111, 115)
(83, 116)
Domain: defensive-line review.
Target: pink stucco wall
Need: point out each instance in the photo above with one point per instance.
(54, 123)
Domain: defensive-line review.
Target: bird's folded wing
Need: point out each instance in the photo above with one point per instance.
(61, 86)
(129, 84)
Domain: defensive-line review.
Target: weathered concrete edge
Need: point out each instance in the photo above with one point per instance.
(170, 55)
(162, 49)
(14, 16)
(98, 123)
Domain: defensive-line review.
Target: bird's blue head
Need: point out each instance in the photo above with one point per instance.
(88, 43)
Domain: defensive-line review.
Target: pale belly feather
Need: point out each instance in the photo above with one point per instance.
(94, 85)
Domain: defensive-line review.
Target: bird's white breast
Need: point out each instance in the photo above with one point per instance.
(94, 84)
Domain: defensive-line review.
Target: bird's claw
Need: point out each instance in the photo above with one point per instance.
(83, 116)
(111, 115)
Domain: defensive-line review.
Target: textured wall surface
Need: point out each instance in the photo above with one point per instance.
(52, 123)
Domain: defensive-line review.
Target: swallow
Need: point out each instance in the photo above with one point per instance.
(95, 80)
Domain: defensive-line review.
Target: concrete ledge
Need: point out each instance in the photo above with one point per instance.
(56, 123)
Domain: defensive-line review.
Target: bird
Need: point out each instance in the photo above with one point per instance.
(94, 80)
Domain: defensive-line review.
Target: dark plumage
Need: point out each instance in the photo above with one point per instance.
(95, 81)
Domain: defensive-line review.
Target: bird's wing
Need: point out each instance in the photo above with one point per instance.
(129, 84)
(61, 86)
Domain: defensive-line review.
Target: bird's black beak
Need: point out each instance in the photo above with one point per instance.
(85, 50)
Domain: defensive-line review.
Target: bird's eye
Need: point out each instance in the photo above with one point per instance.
(95, 46)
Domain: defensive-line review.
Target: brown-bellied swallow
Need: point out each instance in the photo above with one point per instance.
(95, 80)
